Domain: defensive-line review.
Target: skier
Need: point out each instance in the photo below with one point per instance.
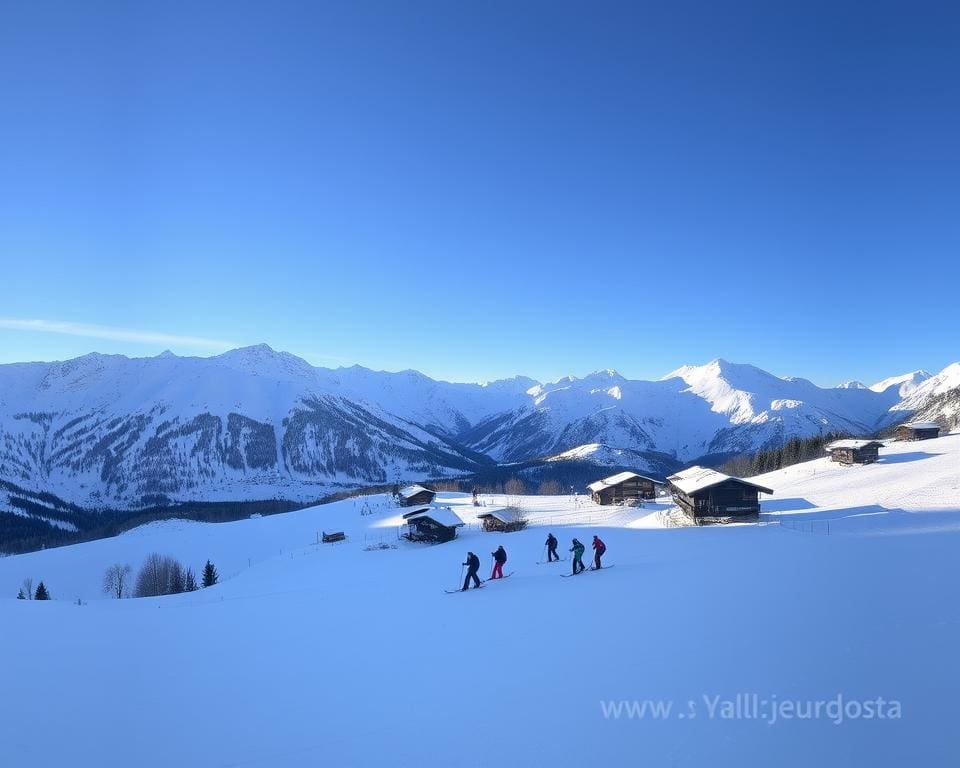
(552, 548)
(499, 558)
(599, 548)
(577, 550)
(473, 565)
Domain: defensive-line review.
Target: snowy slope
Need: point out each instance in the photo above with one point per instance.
(919, 397)
(342, 656)
(905, 383)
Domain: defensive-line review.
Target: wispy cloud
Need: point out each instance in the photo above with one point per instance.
(113, 333)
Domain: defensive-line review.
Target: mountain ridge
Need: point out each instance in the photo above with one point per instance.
(254, 423)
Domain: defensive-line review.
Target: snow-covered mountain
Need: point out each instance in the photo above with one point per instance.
(937, 398)
(253, 423)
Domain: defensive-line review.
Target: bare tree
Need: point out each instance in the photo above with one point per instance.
(27, 588)
(177, 579)
(550, 488)
(514, 487)
(156, 575)
(116, 580)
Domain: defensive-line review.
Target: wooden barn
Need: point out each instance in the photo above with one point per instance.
(415, 496)
(708, 496)
(626, 486)
(918, 430)
(854, 451)
(431, 524)
(501, 520)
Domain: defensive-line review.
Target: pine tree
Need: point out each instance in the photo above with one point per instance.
(21, 596)
(209, 575)
(189, 581)
(42, 593)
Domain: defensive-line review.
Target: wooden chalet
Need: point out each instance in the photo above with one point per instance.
(415, 496)
(854, 451)
(501, 520)
(918, 430)
(431, 524)
(623, 487)
(708, 496)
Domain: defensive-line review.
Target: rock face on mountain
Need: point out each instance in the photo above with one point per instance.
(106, 430)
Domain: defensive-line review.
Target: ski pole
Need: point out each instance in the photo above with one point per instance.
(460, 583)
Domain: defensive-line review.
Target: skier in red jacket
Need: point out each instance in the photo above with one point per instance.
(599, 548)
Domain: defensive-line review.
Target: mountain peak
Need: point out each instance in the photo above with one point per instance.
(262, 359)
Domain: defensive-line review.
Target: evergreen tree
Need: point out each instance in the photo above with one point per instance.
(209, 575)
(189, 581)
(42, 593)
(21, 596)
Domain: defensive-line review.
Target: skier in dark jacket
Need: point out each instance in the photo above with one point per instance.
(599, 548)
(552, 548)
(499, 558)
(578, 550)
(473, 565)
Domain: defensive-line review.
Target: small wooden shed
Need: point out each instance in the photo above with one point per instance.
(625, 486)
(854, 451)
(431, 524)
(708, 496)
(415, 496)
(918, 430)
(501, 520)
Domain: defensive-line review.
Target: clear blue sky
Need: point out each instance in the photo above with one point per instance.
(483, 189)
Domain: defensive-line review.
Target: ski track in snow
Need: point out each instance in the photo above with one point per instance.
(311, 654)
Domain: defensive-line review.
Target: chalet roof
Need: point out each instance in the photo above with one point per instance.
(441, 515)
(697, 479)
(503, 515)
(855, 444)
(621, 477)
(409, 491)
(921, 425)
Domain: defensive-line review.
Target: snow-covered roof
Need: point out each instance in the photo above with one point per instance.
(621, 477)
(442, 515)
(837, 444)
(503, 515)
(697, 479)
(922, 425)
(409, 491)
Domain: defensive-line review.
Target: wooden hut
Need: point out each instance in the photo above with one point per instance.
(918, 430)
(708, 496)
(501, 520)
(431, 524)
(626, 486)
(854, 451)
(415, 496)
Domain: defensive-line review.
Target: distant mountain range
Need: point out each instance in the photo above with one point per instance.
(118, 432)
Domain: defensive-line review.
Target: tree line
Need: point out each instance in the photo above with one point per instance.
(159, 575)
(793, 451)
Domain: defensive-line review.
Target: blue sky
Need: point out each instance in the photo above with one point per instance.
(477, 190)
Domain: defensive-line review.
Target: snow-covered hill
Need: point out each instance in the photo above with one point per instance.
(253, 423)
(351, 655)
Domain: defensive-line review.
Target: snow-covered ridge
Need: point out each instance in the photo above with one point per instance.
(254, 423)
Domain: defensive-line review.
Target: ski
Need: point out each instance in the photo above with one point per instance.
(548, 562)
(455, 591)
(505, 576)
(585, 570)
